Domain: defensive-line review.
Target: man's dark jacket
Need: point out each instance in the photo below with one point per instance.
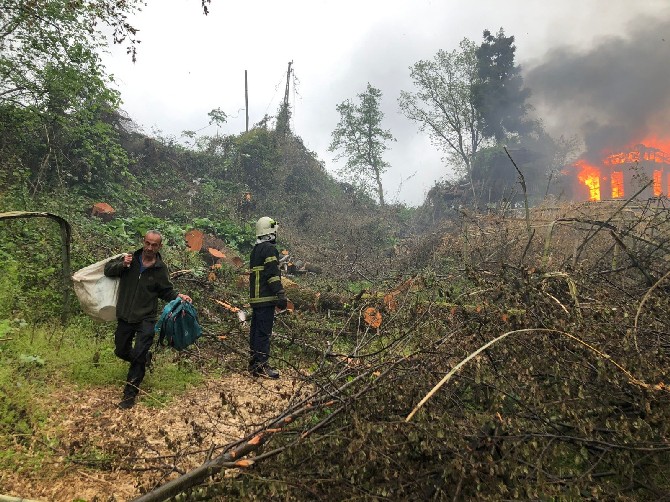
(265, 277)
(139, 292)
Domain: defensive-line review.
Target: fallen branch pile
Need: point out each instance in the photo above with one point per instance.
(574, 405)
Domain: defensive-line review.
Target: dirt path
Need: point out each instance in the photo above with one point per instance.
(118, 453)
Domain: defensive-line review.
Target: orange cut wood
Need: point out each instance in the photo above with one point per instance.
(194, 239)
(226, 306)
(216, 253)
(103, 210)
(102, 207)
(372, 317)
(390, 301)
(256, 439)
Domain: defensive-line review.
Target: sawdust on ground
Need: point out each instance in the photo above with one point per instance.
(107, 454)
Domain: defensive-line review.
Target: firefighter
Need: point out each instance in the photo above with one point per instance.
(265, 293)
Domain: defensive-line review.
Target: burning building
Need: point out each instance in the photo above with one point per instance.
(623, 174)
(612, 95)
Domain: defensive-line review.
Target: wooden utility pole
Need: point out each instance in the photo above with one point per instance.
(246, 99)
(284, 114)
(288, 80)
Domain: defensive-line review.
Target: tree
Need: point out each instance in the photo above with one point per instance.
(502, 102)
(57, 108)
(499, 95)
(360, 138)
(444, 104)
(41, 33)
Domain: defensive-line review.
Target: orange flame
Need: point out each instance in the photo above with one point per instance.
(617, 184)
(658, 180)
(589, 175)
(642, 153)
(645, 151)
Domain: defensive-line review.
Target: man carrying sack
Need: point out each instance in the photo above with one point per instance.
(144, 278)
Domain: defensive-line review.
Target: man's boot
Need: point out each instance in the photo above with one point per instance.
(127, 402)
(130, 392)
(265, 371)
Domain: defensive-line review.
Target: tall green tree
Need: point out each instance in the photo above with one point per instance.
(501, 100)
(57, 107)
(360, 138)
(444, 104)
(500, 96)
(39, 34)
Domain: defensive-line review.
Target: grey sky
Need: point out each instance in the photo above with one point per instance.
(189, 64)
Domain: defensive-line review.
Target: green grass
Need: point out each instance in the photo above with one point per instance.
(36, 360)
(82, 354)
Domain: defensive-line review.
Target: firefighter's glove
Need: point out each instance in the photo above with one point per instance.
(282, 302)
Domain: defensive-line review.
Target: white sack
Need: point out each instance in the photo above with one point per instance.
(97, 293)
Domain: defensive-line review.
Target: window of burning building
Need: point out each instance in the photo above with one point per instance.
(658, 182)
(617, 184)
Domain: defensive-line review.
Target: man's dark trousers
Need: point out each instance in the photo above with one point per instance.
(143, 333)
(262, 319)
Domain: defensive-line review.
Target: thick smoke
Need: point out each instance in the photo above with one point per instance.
(611, 95)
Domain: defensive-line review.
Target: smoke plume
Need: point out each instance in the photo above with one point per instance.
(612, 95)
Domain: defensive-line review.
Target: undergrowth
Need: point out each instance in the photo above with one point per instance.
(39, 361)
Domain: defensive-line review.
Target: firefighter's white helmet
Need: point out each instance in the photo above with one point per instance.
(265, 226)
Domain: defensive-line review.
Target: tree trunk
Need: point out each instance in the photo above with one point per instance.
(380, 189)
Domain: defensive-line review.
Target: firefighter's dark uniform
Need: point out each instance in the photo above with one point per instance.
(265, 292)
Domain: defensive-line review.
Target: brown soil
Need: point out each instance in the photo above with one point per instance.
(108, 454)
